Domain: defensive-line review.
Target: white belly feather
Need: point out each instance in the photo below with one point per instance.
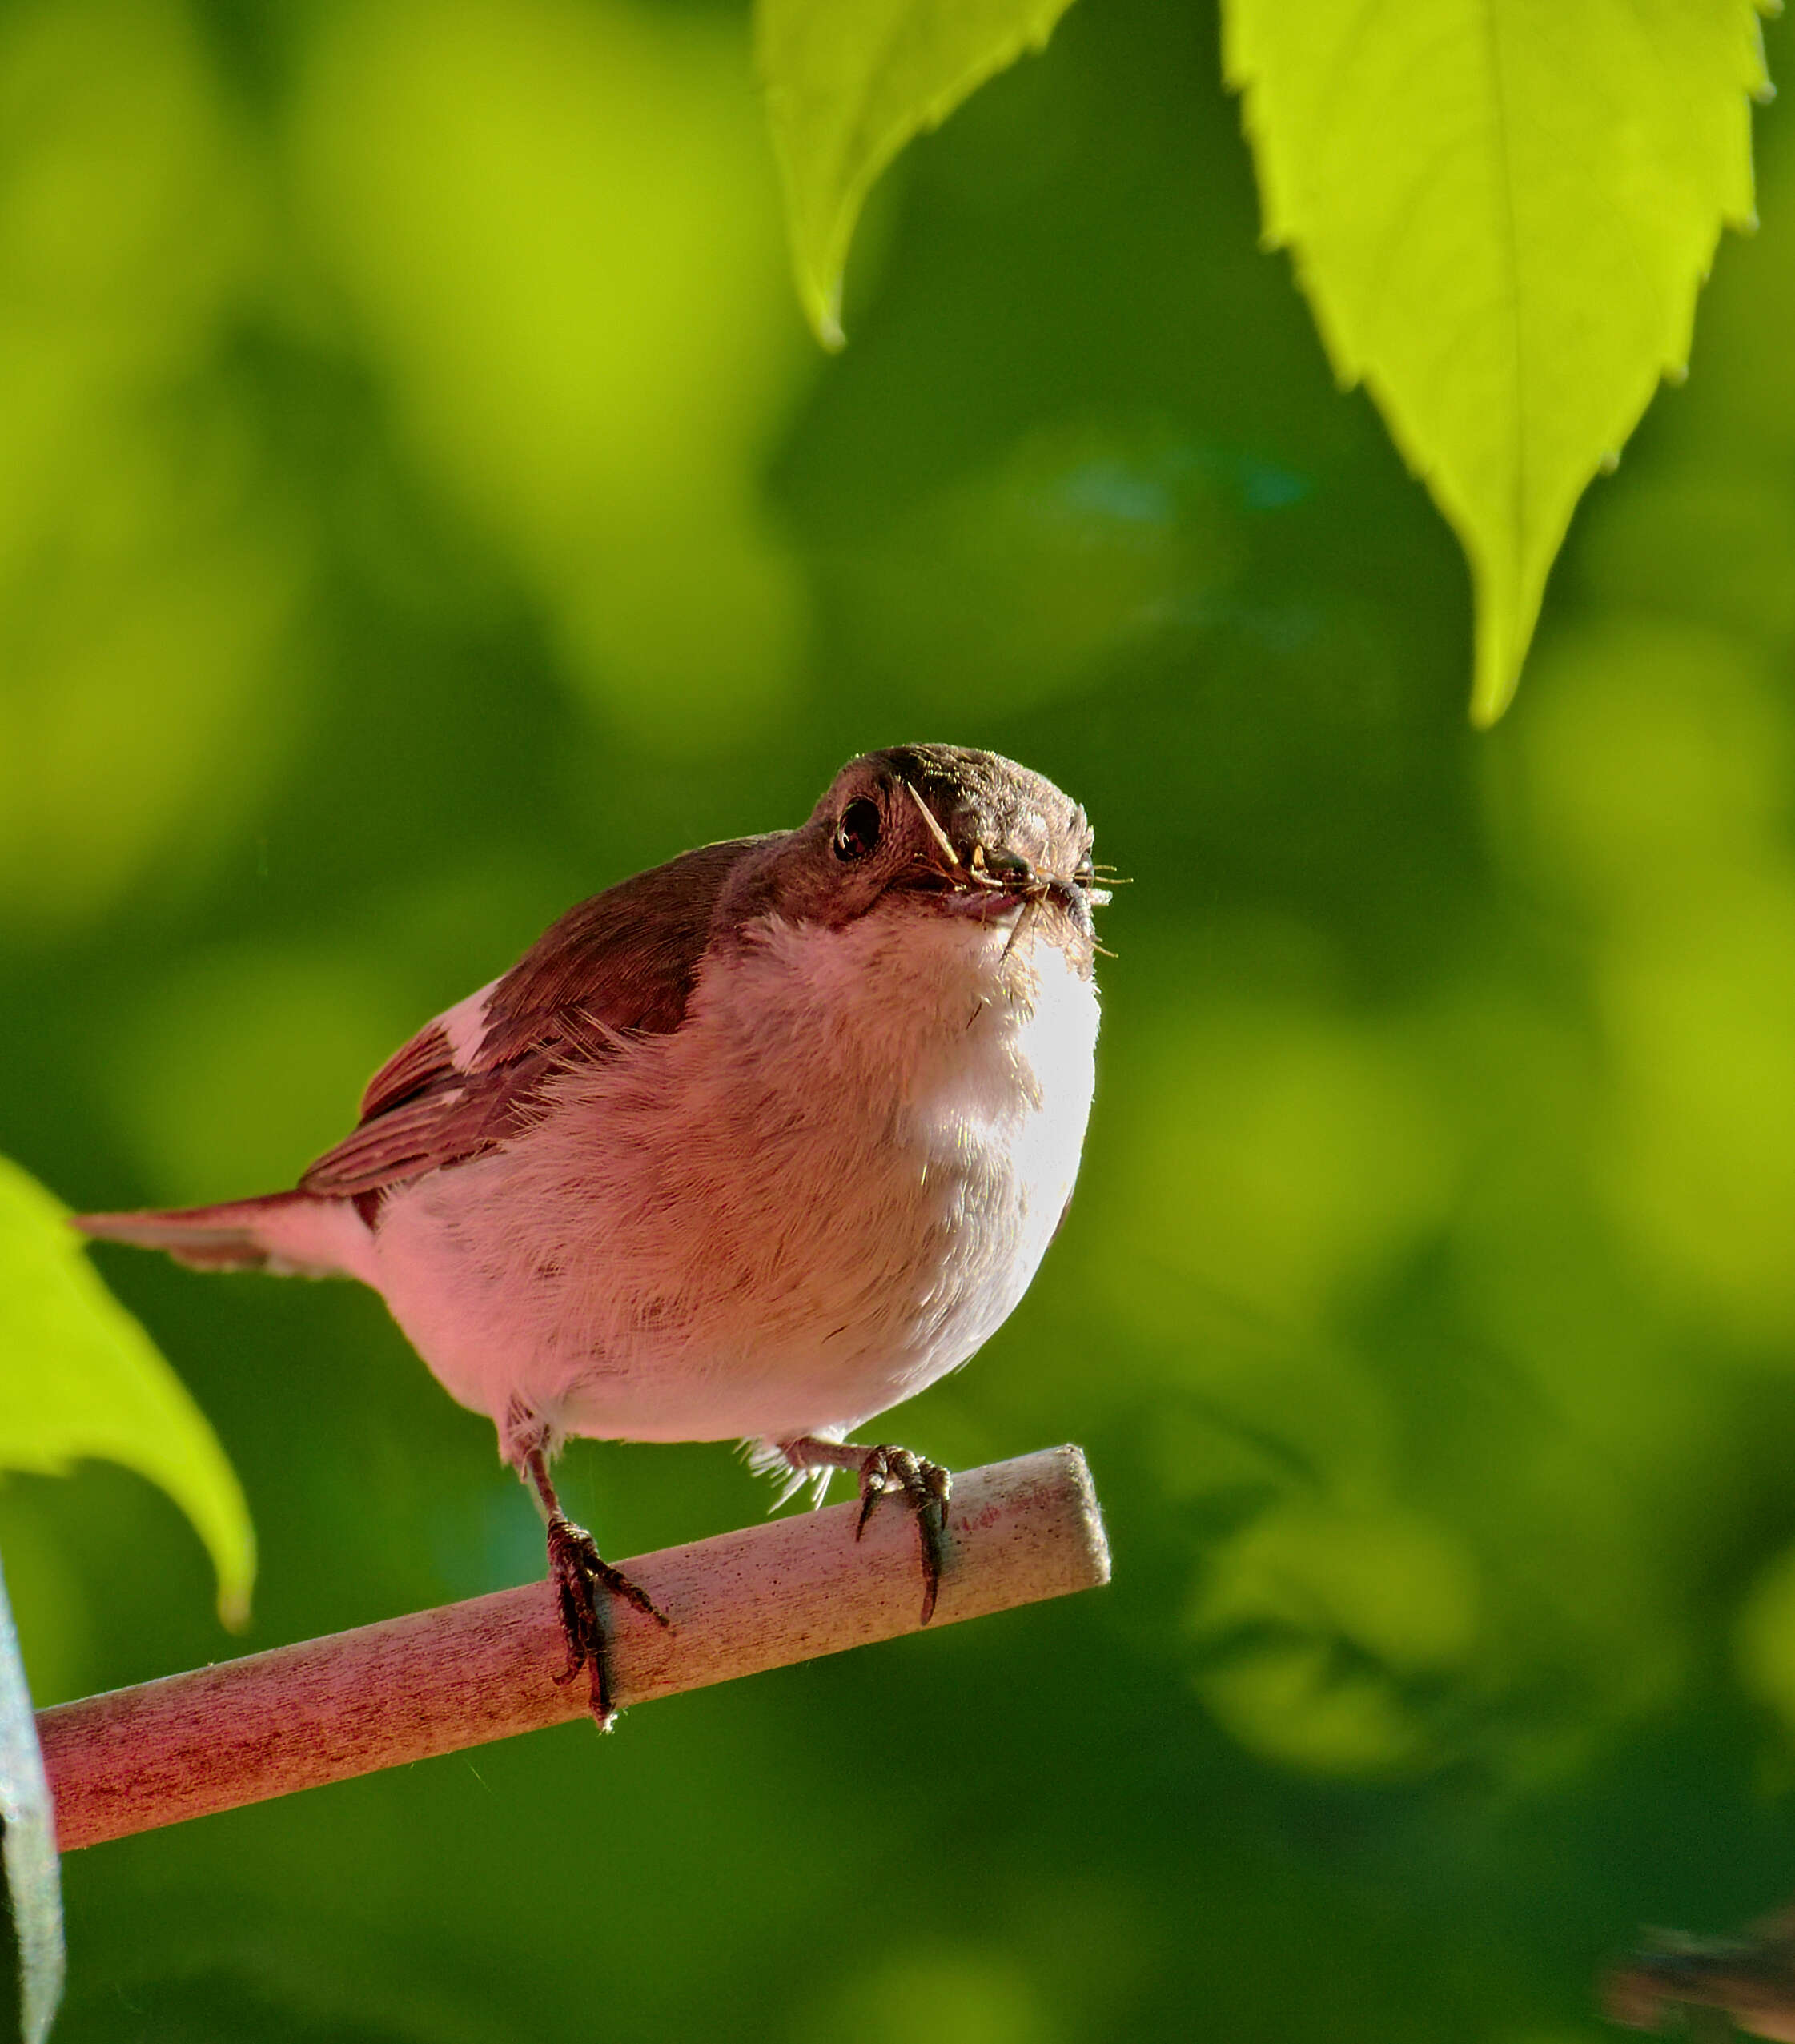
(825, 1189)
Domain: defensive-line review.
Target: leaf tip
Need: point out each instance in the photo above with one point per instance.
(1488, 709)
(1497, 672)
(233, 1559)
(820, 292)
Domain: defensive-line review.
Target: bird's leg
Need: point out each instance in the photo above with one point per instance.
(925, 1487)
(577, 1569)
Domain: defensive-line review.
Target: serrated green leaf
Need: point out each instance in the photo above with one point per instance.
(1501, 211)
(848, 83)
(78, 1377)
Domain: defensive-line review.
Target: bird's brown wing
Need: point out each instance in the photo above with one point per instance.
(621, 963)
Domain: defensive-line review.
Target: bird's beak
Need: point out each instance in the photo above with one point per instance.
(990, 879)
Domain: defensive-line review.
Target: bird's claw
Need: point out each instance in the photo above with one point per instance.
(925, 1487)
(578, 1570)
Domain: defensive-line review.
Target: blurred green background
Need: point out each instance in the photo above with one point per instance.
(419, 506)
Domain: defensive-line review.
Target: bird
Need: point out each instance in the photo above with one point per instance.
(753, 1146)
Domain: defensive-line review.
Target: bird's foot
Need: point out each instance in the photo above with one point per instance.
(886, 1471)
(579, 1570)
(925, 1487)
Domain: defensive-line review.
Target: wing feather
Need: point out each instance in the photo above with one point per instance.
(414, 1066)
(622, 964)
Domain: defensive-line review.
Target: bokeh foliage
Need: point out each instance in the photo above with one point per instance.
(423, 506)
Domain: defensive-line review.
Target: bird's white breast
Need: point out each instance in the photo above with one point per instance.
(826, 1189)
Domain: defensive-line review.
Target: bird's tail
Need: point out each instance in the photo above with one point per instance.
(287, 1232)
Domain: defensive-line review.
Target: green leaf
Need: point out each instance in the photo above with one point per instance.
(1501, 210)
(848, 83)
(79, 1377)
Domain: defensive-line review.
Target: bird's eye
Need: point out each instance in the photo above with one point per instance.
(858, 831)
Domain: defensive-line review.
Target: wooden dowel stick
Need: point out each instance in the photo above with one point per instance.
(786, 1590)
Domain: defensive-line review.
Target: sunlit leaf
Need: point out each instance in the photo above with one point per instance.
(79, 1377)
(33, 1875)
(848, 83)
(1501, 211)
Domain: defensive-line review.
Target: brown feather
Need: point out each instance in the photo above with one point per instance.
(221, 1237)
(408, 1071)
(619, 964)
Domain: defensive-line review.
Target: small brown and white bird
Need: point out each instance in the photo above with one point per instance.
(754, 1146)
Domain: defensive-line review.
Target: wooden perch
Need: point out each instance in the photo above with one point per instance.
(786, 1590)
